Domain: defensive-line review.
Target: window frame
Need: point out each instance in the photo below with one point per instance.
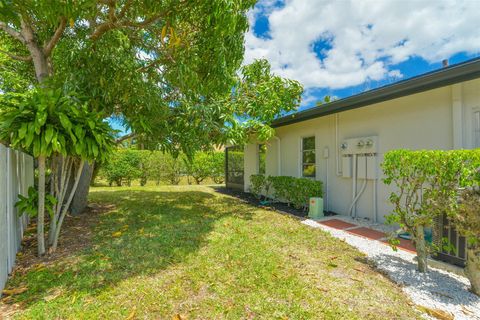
(302, 153)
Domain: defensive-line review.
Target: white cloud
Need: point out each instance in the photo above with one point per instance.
(366, 37)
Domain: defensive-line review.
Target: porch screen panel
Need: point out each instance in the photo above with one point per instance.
(235, 160)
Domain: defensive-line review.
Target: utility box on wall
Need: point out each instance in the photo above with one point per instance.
(315, 208)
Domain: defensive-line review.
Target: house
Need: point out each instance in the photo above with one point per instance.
(342, 143)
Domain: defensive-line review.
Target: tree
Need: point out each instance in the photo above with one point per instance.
(414, 208)
(60, 131)
(161, 51)
(164, 68)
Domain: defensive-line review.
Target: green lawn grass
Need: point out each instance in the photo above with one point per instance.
(189, 251)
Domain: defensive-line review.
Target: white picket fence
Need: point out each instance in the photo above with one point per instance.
(16, 176)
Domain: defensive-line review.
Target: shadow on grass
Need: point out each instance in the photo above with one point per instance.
(147, 232)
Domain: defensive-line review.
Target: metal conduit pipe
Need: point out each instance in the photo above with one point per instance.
(353, 209)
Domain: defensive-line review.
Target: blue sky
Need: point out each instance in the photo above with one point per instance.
(341, 48)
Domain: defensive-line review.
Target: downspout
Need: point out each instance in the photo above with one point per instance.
(279, 156)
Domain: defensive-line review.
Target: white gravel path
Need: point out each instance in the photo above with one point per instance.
(436, 289)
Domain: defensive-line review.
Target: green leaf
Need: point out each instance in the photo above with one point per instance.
(23, 130)
(67, 125)
(49, 134)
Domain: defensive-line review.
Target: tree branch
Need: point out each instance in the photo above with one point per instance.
(15, 57)
(117, 21)
(12, 32)
(56, 36)
(124, 9)
(143, 23)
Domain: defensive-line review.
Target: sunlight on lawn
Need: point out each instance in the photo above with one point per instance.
(187, 250)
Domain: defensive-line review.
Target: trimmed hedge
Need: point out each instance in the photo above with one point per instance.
(293, 191)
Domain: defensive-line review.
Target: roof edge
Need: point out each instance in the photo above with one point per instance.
(460, 72)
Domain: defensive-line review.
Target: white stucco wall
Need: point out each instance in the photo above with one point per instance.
(435, 119)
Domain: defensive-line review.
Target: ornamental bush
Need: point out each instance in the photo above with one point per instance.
(257, 184)
(429, 184)
(123, 167)
(293, 191)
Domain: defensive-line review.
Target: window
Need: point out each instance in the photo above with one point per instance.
(308, 157)
(476, 129)
(262, 152)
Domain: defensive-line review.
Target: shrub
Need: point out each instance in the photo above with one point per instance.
(123, 167)
(294, 191)
(218, 172)
(172, 169)
(467, 222)
(201, 166)
(257, 182)
(428, 185)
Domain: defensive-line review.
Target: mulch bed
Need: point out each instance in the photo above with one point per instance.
(76, 235)
(276, 206)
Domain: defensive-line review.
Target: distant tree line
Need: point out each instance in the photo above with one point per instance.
(128, 165)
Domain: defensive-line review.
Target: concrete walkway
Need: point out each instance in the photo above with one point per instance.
(366, 232)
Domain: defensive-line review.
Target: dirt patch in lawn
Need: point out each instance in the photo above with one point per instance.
(76, 235)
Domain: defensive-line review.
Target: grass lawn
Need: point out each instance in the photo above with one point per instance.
(187, 252)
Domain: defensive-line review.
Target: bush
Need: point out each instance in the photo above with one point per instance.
(257, 182)
(294, 191)
(172, 169)
(218, 168)
(123, 167)
(428, 184)
(128, 164)
(206, 165)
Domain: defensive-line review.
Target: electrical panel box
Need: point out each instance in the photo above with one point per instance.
(367, 167)
(347, 167)
(361, 145)
(362, 167)
(372, 167)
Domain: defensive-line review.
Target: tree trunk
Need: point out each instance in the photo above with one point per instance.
(472, 269)
(421, 247)
(41, 206)
(80, 200)
(78, 174)
(95, 171)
